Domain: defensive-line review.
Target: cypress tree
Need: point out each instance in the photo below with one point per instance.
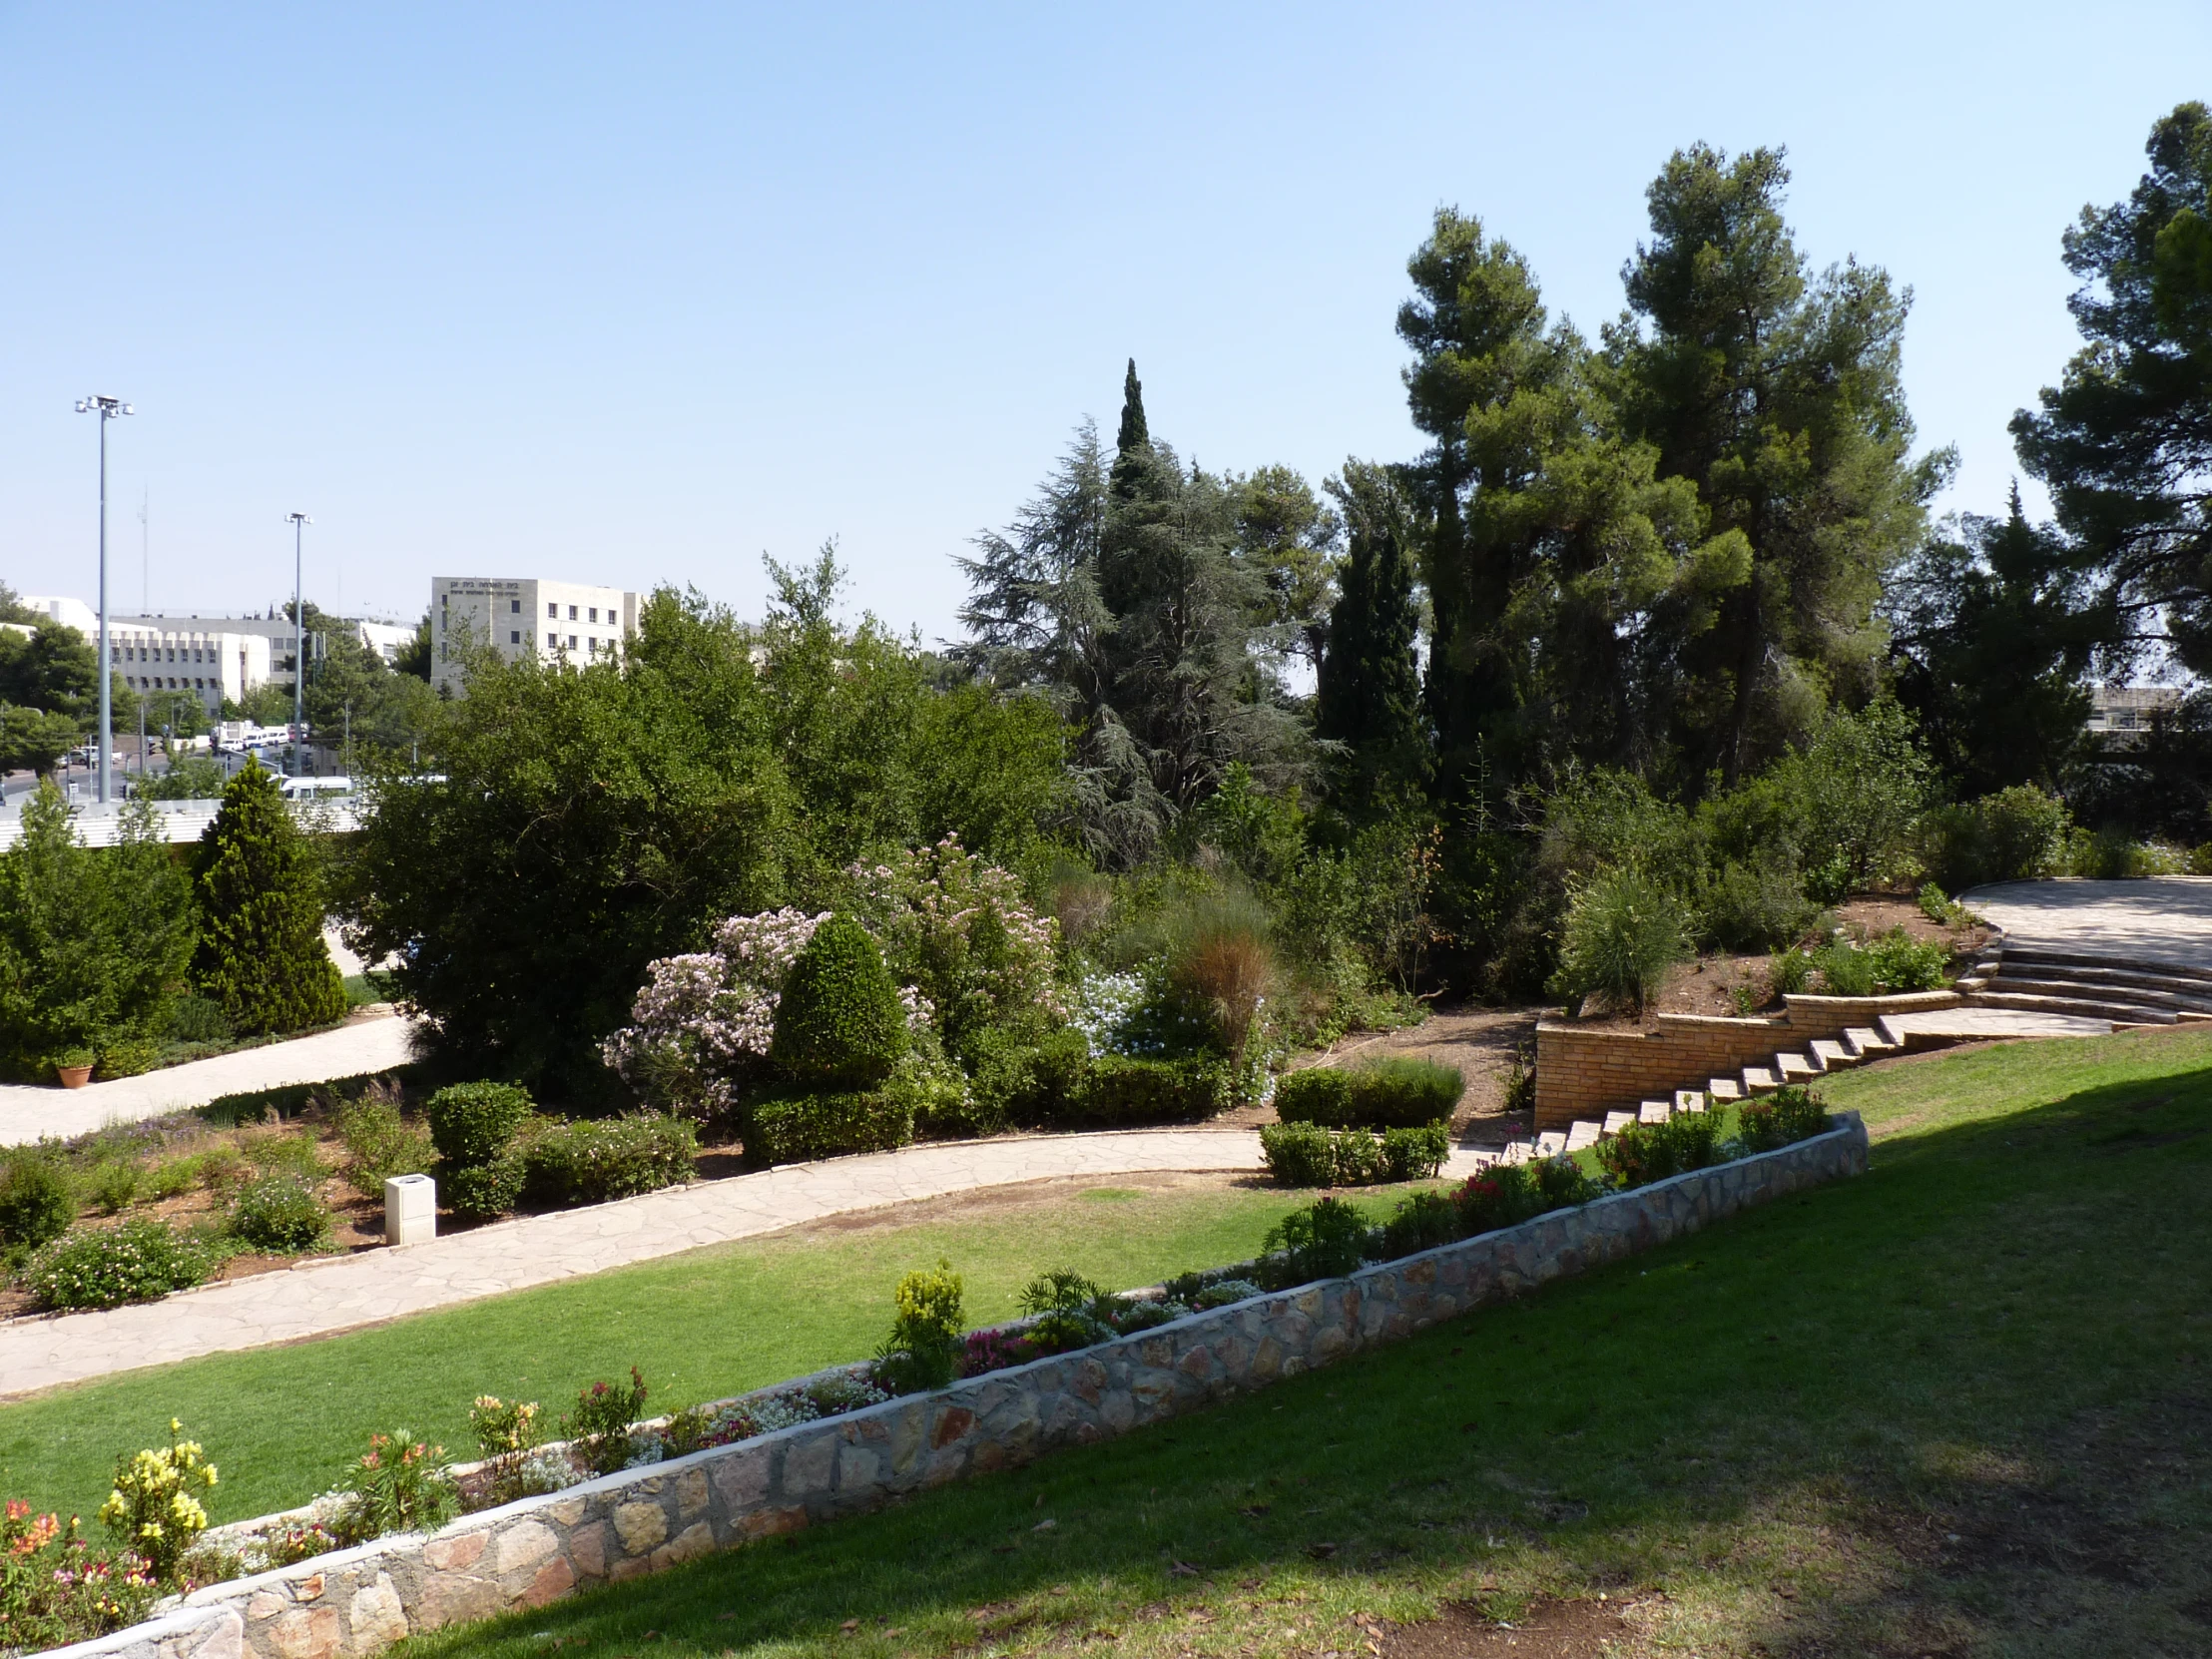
(1133, 441)
(260, 952)
(1369, 693)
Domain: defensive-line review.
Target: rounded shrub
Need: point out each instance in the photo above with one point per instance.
(279, 1213)
(839, 1024)
(137, 1262)
(484, 1192)
(37, 1203)
(473, 1123)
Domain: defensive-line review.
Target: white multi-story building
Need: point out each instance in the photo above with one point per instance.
(386, 638)
(210, 659)
(70, 613)
(523, 616)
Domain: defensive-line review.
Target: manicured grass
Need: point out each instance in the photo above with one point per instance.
(1962, 1406)
(281, 1423)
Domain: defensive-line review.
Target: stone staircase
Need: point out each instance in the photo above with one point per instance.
(2047, 980)
(1791, 1069)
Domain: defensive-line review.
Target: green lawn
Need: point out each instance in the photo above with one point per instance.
(1962, 1406)
(281, 1423)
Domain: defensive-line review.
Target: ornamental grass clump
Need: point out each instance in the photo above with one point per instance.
(155, 1509)
(1063, 1305)
(1623, 932)
(139, 1261)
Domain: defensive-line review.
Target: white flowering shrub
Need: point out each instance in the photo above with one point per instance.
(959, 931)
(1103, 1006)
(702, 1022)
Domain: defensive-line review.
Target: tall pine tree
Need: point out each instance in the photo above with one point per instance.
(1370, 695)
(260, 952)
(1781, 398)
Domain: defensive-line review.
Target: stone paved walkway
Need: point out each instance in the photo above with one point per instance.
(375, 1043)
(2158, 919)
(339, 1292)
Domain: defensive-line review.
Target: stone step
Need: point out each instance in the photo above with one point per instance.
(1585, 1133)
(1615, 1122)
(1830, 1055)
(1550, 1144)
(2132, 1013)
(1795, 1068)
(1863, 1040)
(1758, 1080)
(1889, 1031)
(1689, 1100)
(2090, 990)
(1655, 1111)
(2074, 964)
(1725, 1089)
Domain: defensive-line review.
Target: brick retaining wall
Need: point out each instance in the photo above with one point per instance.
(1584, 1072)
(353, 1603)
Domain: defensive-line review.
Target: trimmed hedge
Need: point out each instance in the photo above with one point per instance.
(592, 1162)
(839, 1024)
(1307, 1155)
(483, 1192)
(796, 1128)
(1122, 1090)
(1398, 1093)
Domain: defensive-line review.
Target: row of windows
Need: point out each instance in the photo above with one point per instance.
(553, 613)
(553, 641)
(156, 684)
(139, 654)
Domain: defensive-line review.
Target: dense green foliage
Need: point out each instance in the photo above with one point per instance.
(1305, 1154)
(840, 1024)
(587, 1161)
(259, 879)
(139, 1261)
(37, 1203)
(1398, 1092)
(93, 943)
(716, 769)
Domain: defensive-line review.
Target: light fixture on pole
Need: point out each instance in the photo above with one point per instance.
(107, 408)
(297, 521)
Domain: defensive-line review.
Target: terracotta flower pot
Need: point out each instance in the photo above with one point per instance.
(73, 1077)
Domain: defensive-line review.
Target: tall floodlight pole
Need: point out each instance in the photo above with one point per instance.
(297, 521)
(107, 408)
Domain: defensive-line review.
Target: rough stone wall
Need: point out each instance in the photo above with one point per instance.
(356, 1602)
(1585, 1073)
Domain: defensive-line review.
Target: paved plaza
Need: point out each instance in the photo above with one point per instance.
(2162, 920)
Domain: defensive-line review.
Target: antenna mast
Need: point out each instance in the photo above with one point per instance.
(146, 604)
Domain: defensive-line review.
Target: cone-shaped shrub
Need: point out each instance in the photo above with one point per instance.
(261, 953)
(840, 1024)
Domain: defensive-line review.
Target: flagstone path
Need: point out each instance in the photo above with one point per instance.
(371, 1041)
(337, 1293)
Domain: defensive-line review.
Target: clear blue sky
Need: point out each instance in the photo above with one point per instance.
(636, 292)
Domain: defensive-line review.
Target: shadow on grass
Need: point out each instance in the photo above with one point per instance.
(1897, 1412)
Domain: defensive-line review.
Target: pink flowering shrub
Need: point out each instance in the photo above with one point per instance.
(702, 1022)
(55, 1588)
(959, 930)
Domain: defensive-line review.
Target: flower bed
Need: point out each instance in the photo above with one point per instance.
(791, 1474)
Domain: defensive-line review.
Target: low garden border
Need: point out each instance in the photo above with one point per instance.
(353, 1603)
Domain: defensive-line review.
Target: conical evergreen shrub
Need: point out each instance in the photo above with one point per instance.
(260, 952)
(840, 1024)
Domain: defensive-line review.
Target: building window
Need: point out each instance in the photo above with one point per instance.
(552, 614)
(514, 607)
(572, 613)
(572, 642)
(595, 613)
(552, 641)
(514, 636)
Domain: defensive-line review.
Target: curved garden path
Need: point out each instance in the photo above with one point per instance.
(333, 1293)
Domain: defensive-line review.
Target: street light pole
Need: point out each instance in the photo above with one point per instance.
(107, 408)
(297, 521)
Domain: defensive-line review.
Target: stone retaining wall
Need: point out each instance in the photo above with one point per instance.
(355, 1604)
(1584, 1072)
